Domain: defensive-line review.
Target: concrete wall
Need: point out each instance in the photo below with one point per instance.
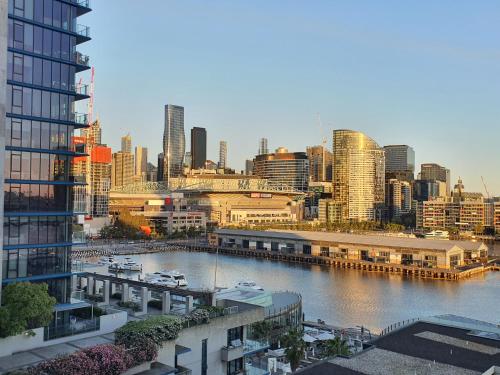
(3, 93)
(22, 342)
(216, 335)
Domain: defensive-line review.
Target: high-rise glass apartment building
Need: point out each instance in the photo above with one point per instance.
(198, 148)
(41, 220)
(127, 144)
(174, 142)
(400, 162)
(284, 169)
(320, 163)
(222, 154)
(358, 175)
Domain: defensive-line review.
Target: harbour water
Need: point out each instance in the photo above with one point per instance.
(340, 297)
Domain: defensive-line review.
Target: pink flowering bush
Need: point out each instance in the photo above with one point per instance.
(104, 359)
(144, 350)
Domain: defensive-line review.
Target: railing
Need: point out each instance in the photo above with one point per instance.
(398, 325)
(252, 346)
(183, 371)
(76, 327)
(82, 89)
(77, 296)
(83, 3)
(83, 31)
(78, 237)
(81, 59)
(79, 118)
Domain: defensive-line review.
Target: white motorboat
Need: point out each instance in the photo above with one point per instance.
(106, 261)
(249, 284)
(173, 278)
(127, 265)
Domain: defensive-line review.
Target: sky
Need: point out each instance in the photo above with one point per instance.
(422, 73)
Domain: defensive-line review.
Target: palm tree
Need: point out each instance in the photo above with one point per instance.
(336, 347)
(295, 346)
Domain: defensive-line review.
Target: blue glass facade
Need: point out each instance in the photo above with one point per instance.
(39, 215)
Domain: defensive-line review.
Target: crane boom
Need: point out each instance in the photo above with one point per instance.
(485, 188)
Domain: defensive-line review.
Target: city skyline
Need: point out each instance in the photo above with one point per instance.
(422, 104)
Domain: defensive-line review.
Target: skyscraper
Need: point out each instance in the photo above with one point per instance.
(160, 175)
(122, 170)
(400, 162)
(222, 154)
(283, 168)
(198, 147)
(435, 172)
(248, 167)
(174, 141)
(320, 164)
(263, 149)
(141, 163)
(358, 175)
(41, 220)
(127, 144)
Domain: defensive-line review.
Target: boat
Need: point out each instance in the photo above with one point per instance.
(106, 261)
(249, 284)
(127, 265)
(173, 277)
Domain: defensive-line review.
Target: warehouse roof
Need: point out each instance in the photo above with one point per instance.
(358, 239)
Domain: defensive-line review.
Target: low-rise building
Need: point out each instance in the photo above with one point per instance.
(418, 252)
(445, 344)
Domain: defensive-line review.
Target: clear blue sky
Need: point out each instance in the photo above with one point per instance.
(423, 73)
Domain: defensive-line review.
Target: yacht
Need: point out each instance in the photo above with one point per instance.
(175, 278)
(127, 265)
(249, 284)
(106, 261)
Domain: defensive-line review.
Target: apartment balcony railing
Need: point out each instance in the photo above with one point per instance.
(80, 118)
(83, 3)
(78, 237)
(254, 346)
(75, 327)
(81, 59)
(81, 89)
(77, 296)
(83, 31)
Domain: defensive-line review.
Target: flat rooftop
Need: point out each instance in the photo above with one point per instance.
(440, 345)
(356, 239)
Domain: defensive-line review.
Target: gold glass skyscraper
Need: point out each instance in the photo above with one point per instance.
(358, 175)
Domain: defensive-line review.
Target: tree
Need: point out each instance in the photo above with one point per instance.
(336, 347)
(295, 347)
(25, 306)
(262, 330)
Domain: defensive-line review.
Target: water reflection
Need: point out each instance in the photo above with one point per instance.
(341, 297)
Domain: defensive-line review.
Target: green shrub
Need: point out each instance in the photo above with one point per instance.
(158, 329)
(25, 306)
(86, 312)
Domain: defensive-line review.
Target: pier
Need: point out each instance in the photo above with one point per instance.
(403, 270)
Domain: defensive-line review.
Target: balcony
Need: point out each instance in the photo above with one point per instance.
(81, 91)
(82, 60)
(83, 33)
(230, 353)
(74, 327)
(80, 119)
(254, 346)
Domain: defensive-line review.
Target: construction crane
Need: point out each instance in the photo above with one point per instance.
(485, 188)
(90, 108)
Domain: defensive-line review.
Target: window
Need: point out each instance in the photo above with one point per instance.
(47, 42)
(234, 336)
(28, 37)
(17, 100)
(47, 69)
(235, 366)
(38, 39)
(28, 69)
(26, 101)
(47, 12)
(37, 72)
(18, 35)
(56, 75)
(56, 45)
